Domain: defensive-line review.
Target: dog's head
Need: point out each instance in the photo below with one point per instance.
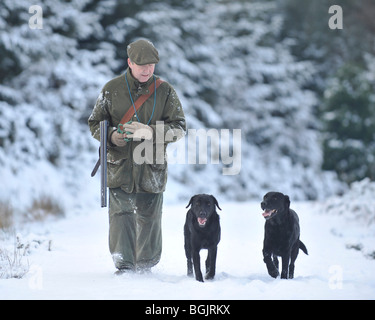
(203, 206)
(273, 204)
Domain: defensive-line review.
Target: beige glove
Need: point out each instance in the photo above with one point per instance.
(118, 138)
(138, 131)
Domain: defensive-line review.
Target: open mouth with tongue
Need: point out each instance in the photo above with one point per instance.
(202, 221)
(267, 214)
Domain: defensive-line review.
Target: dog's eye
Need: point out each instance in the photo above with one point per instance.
(208, 204)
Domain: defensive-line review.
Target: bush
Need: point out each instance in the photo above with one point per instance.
(357, 204)
(12, 264)
(6, 215)
(44, 207)
(349, 121)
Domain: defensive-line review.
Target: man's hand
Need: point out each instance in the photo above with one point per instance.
(138, 131)
(118, 139)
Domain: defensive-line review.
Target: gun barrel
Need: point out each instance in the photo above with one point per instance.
(103, 162)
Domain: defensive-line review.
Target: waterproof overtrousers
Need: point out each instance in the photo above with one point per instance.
(135, 235)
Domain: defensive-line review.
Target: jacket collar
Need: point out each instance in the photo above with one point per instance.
(134, 84)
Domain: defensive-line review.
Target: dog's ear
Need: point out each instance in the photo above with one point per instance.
(190, 202)
(286, 201)
(215, 201)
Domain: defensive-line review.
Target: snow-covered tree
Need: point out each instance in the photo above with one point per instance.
(226, 59)
(349, 145)
(232, 71)
(49, 81)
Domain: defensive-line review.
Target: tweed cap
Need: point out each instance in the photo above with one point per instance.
(142, 52)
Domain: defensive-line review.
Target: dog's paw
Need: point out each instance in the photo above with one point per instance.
(274, 273)
(284, 275)
(209, 276)
(199, 277)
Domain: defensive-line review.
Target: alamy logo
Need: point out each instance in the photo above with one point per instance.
(336, 279)
(36, 277)
(200, 147)
(336, 20)
(36, 20)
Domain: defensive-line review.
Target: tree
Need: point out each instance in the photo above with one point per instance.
(349, 122)
(342, 60)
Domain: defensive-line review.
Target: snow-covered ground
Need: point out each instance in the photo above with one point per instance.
(79, 266)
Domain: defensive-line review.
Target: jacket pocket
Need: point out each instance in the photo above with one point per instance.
(154, 178)
(117, 174)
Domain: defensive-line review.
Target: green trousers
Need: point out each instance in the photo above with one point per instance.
(135, 237)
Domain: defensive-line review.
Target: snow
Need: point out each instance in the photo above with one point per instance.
(79, 266)
(215, 54)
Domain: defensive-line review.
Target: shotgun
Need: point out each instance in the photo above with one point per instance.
(102, 162)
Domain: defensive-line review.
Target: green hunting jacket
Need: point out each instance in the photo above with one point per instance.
(139, 166)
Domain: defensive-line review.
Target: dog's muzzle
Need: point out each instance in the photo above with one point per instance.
(267, 214)
(202, 222)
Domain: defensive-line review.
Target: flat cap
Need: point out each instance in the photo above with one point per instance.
(142, 52)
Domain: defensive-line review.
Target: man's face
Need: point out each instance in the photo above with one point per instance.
(141, 73)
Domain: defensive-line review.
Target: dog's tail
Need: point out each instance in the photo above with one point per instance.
(302, 247)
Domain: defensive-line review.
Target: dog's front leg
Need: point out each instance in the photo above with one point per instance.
(197, 265)
(187, 246)
(189, 267)
(285, 264)
(271, 268)
(211, 263)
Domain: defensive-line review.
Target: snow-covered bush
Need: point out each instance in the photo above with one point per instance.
(226, 60)
(356, 205)
(13, 257)
(45, 145)
(12, 264)
(232, 71)
(6, 215)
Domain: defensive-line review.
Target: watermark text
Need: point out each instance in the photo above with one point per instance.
(36, 20)
(200, 146)
(336, 20)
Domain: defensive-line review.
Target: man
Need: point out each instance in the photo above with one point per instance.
(135, 187)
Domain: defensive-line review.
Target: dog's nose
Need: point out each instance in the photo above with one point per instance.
(202, 214)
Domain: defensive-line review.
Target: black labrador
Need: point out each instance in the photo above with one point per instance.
(281, 236)
(202, 231)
